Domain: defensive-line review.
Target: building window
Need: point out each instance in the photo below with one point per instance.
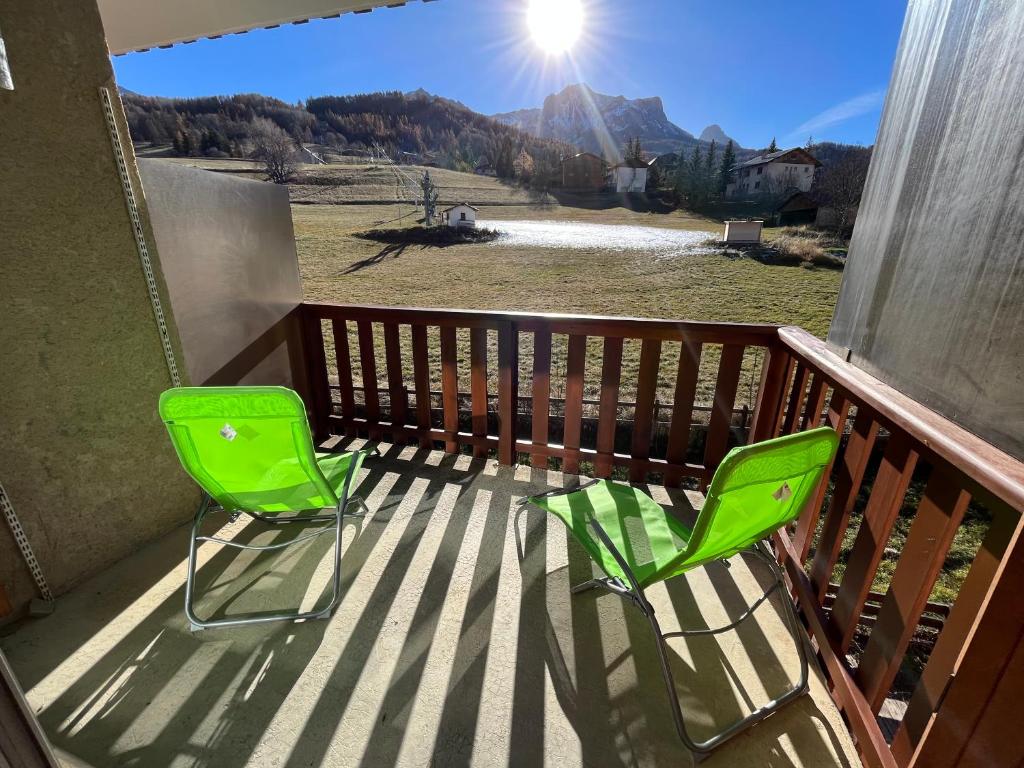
(757, 185)
(759, 171)
(462, 216)
(807, 168)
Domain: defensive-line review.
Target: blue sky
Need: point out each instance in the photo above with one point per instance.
(758, 69)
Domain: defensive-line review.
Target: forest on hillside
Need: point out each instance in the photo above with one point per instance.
(425, 127)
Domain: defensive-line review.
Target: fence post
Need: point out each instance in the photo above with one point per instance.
(508, 391)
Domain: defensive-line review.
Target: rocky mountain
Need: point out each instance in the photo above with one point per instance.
(715, 132)
(596, 122)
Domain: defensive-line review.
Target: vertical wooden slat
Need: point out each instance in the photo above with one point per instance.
(931, 534)
(508, 391)
(978, 719)
(721, 412)
(421, 382)
(796, 399)
(396, 386)
(815, 402)
(478, 386)
(682, 409)
(786, 380)
(574, 367)
(320, 387)
(450, 388)
(838, 412)
(608, 411)
(768, 407)
(541, 395)
(368, 361)
(883, 506)
(844, 495)
(945, 657)
(643, 415)
(343, 356)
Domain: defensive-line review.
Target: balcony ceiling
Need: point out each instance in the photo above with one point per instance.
(138, 25)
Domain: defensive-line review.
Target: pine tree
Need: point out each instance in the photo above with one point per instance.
(773, 147)
(725, 170)
(810, 143)
(693, 182)
(709, 171)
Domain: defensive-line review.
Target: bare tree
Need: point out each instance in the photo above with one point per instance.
(430, 193)
(841, 186)
(273, 147)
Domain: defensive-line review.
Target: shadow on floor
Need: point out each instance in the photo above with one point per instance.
(456, 643)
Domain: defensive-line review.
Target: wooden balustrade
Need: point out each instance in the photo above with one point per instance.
(502, 429)
(891, 442)
(959, 709)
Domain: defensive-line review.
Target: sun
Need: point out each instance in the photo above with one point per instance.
(555, 24)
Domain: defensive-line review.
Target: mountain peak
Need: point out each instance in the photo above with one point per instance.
(714, 132)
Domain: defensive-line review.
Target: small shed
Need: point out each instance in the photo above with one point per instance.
(798, 208)
(459, 215)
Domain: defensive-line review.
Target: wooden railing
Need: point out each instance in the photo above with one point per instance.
(330, 326)
(959, 712)
(962, 709)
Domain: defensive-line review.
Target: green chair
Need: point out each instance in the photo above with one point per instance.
(250, 450)
(756, 490)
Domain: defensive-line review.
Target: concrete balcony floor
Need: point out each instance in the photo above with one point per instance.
(456, 643)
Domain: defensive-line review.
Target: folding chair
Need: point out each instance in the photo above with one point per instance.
(756, 490)
(250, 450)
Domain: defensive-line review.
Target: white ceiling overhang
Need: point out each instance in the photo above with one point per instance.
(138, 25)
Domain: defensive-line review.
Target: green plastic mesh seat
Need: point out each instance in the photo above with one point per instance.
(251, 451)
(756, 490)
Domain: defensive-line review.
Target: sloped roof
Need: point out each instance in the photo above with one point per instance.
(138, 25)
(583, 154)
(630, 164)
(459, 205)
(771, 157)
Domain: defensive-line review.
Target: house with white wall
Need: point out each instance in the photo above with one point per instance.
(628, 176)
(459, 215)
(773, 174)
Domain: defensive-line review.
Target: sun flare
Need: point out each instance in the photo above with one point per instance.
(555, 24)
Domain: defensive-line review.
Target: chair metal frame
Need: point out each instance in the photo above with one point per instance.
(337, 517)
(633, 593)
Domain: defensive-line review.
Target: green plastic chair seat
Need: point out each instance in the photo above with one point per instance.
(648, 538)
(756, 490)
(250, 448)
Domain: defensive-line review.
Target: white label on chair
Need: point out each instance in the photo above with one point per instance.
(783, 493)
(228, 432)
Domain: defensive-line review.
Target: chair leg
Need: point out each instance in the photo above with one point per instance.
(196, 623)
(793, 624)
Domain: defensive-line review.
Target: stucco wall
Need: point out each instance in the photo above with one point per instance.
(83, 456)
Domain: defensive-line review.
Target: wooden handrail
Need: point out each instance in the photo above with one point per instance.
(587, 325)
(992, 469)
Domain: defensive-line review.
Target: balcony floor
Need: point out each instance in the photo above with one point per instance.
(456, 644)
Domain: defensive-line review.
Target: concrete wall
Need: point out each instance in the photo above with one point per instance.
(932, 299)
(228, 253)
(83, 456)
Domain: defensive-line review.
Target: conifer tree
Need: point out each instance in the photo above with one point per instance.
(773, 147)
(725, 170)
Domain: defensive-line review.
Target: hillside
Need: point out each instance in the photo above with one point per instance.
(581, 116)
(417, 126)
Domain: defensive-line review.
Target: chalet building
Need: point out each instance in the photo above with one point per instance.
(629, 176)
(798, 208)
(773, 173)
(459, 216)
(584, 172)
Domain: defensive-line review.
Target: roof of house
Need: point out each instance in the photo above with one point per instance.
(459, 205)
(138, 25)
(583, 154)
(630, 164)
(771, 157)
